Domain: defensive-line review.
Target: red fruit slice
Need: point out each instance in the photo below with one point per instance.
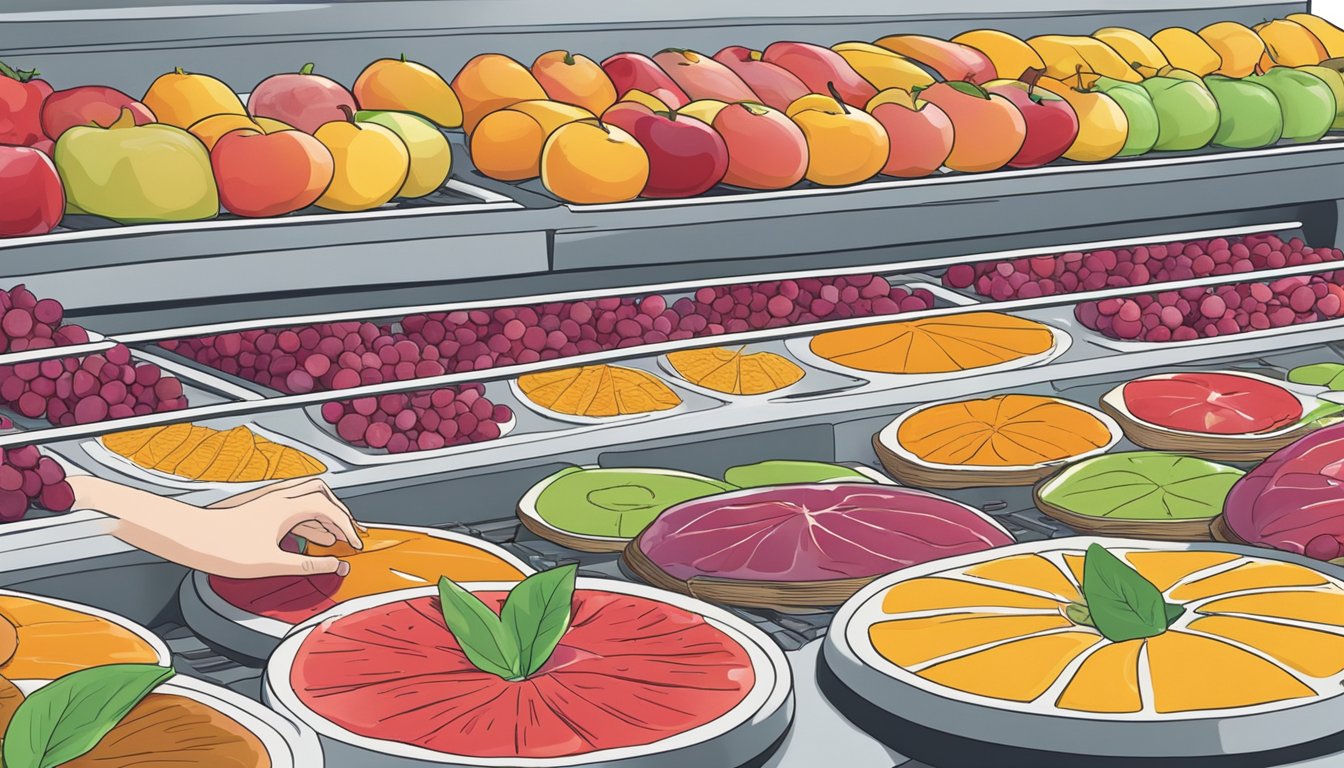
(1212, 403)
(631, 671)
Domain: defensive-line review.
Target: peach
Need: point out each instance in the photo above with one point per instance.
(921, 133)
(635, 71)
(766, 150)
(213, 128)
(507, 143)
(574, 79)
(493, 81)
(701, 77)
(589, 162)
(822, 70)
(989, 130)
(775, 86)
(270, 174)
(844, 145)
(952, 61)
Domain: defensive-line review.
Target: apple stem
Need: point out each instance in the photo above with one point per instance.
(569, 58)
(306, 69)
(22, 75)
(178, 71)
(830, 86)
(345, 110)
(403, 58)
(1031, 77)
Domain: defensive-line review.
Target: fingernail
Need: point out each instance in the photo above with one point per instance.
(343, 568)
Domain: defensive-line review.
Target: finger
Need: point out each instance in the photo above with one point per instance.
(315, 534)
(316, 507)
(289, 564)
(316, 485)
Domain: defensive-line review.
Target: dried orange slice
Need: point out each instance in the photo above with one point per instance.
(935, 344)
(52, 639)
(598, 391)
(998, 644)
(735, 371)
(235, 455)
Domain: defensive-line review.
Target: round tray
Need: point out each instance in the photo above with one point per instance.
(1252, 447)
(225, 625)
(983, 724)
(745, 733)
(287, 744)
(904, 466)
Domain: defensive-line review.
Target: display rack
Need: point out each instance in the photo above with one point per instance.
(140, 285)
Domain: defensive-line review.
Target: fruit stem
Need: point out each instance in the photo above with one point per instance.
(306, 69)
(569, 58)
(1031, 77)
(22, 75)
(345, 110)
(403, 58)
(830, 86)
(178, 71)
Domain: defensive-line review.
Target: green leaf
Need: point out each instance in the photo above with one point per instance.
(67, 718)
(1078, 614)
(1123, 604)
(1174, 612)
(1337, 383)
(478, 630)
(1325, 410)
(1317, 375)
(538, 613)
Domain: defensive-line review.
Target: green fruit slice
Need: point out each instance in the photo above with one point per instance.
(781, 472)
(616, 502)
(1142, 485)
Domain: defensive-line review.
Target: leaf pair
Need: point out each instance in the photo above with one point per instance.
(1121, 604)
(66, 718)
(516, 642)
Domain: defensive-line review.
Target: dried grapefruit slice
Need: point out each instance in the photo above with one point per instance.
(236, 455)
(735, 371)
(958, 645)
(52, 638)
(598, 391)
(935, 344)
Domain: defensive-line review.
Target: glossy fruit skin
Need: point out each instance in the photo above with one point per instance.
(399, 85)
(270, 174)
(1187, 113)
(701, 77)
(952, 61)
(573, 78)
(766, 150)
(1142, 127)
(1308, 103)
(1052, 125)
(21, 99)
(371, 164)
(636, 72)
(587, 162)
(492, 81)
(990, 131)
(845, 145)
(301, 99)
(431, 156)
(181, 98)
(213, 128)
(1102, 125)
(820, 68)
(775, 86)
(686, 157)
(32, 200)
(924, 137)
(507, 145)
(89, 104)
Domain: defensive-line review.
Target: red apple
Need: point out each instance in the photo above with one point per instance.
(302, 100)
(776, 86)
(1052, 125)
(921, 133)
(21, 97)
(89, 104)
(766, 150)
(270, 174)
(32, 200)
(701, 77)
(636, 72)
(686, 156)
(819, 68)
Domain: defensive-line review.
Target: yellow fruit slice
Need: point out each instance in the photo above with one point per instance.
(194, 438)
(1001, 431)
(9, 640)
(1165, 569)
(161, 444)
(210, 455)
(196, 465)
(1018, 671)
(1075, 564)
(1249, 576)
(257, 466)
(934, 593)
(287, 463)
(734, 371)
(936, 344)
(10, 699)
(54, 641)
(1191, 673)
(1315, 606)
(1108, 681)
(1309, 651)
(129, 442)
(908, 642)
(393, 559)
(236, 452)
(1031, 571)
(598, 391)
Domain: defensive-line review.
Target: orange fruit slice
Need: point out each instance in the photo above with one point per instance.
(598, 391)
(735, 371)
(935, 344)
(1002, 431)
(52, 640)
(217, 456)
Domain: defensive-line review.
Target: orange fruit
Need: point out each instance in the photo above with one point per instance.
(936, 344)
(589, 162)
(598, 391)
(1002, 431)
(214, 456)
(489, 82)
(507, 144)
(40, 640)
(735, 371)
(574, 79)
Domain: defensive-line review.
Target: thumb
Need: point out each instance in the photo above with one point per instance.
(292, 564)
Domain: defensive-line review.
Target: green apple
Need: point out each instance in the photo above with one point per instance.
(136, 174)
(1137, 105)
(1329, 72)
(1248, 113)
(431, 157)
(1307, 102)
(1187, 114)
